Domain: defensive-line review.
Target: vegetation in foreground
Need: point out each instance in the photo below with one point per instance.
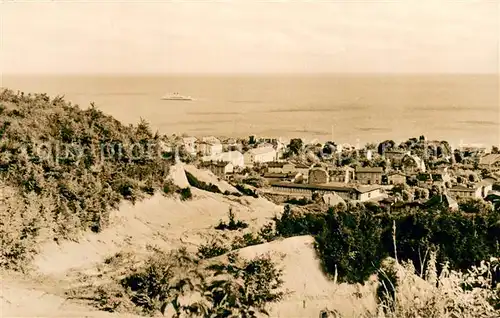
(65, 168)
(178, 283)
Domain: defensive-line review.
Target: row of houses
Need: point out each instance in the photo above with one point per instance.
(346, 192)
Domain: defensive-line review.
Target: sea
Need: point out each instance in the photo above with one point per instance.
(355, 109)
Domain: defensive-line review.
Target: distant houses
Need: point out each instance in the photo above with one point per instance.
(476, 190)
(219, 168)
(341, 174)
(346, 192)
(318, 175)
(209, 146)
(369, 175)
(396, 177)
(490, 161)
(305, 175)
(259, 155)
(190, 144)
(234, 157)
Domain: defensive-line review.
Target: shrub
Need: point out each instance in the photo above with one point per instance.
(212, 249)
(201, 185)
(268, 232)
(251, 286)
(232, 225)
(350, 243)
(291, 223)
(256, 181)
(246, 191)
(302, 201)
(169, 187)
(186, 194)
(248, 239)
(474, 205)
(232, 288)
(161, 281)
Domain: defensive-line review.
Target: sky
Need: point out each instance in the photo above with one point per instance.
(412, 36)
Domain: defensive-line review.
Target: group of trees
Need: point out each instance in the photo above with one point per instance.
(82, 162)
(353, 240)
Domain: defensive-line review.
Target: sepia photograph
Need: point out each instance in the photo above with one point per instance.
(250, 158)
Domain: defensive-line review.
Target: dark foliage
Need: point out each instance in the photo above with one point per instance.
(356, 240)
(232, 288)
(212, 249)
(246, 191)
(84, 161)
(232, 225)
(185, 193)
(201, 185)
(302, 201)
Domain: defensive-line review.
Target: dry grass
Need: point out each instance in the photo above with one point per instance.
(449, 294)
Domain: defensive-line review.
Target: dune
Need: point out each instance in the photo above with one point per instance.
(163, 221)
(178, 175)
(20, 298)
(308, 289)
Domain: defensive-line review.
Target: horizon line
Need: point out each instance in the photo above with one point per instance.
(226, 74)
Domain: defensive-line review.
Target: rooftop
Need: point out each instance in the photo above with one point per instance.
(261, 150)
(276, 164)
(215, 163)
(370, 169)
(489, 159)
(333, 186)
(396, 173)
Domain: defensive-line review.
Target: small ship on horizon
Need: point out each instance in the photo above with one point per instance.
(177, 96)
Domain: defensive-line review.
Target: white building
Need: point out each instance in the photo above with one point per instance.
(209, 146)
(234, 157)
(259, 155)
(369, 154)
(190, 144)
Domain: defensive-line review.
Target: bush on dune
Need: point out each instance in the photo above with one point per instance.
(179, 282)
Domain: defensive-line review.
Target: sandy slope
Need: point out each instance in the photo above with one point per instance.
(162, 221)
(171, 223)
(310, 291)
(22, 298)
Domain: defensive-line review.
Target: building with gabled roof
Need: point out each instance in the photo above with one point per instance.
(369, 175)
(219, 168)
(234, 157)
(259, 155)
(346, 192)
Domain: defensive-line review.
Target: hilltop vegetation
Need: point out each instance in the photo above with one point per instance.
(64, 168)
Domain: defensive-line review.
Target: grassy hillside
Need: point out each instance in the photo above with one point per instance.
(63, 168)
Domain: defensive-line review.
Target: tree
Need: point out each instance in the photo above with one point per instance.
(475, 206)
(385, 146)
(295, 146)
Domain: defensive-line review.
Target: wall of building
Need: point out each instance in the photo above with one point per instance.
(369, 195)
(369, 177)
(318, 176)
(396, 179)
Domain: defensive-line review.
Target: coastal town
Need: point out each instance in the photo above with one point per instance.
(385, 173)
